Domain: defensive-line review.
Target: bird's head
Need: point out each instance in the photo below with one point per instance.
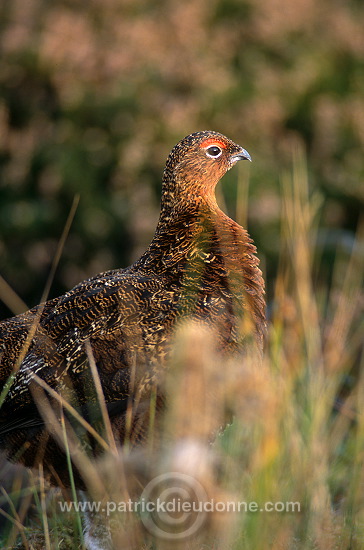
(198, 162)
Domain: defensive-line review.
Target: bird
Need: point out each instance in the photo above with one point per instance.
(201, 265)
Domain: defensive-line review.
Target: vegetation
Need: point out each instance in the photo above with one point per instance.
(92, 98)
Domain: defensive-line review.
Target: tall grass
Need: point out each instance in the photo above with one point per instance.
(295, 432)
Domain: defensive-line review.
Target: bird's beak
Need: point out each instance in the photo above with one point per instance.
(242, 155)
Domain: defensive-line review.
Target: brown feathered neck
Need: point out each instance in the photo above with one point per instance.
(188, 202)
(191, 222)
(189, 177)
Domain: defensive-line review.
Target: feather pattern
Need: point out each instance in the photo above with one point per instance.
(200, 264)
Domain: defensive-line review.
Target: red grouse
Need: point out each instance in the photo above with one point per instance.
(200, 265)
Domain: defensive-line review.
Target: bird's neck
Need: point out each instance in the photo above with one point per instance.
(195, 226)
(185, 193)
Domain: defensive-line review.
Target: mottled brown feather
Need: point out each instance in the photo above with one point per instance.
(200, 264)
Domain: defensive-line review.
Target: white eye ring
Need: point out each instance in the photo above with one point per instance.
(213, 151)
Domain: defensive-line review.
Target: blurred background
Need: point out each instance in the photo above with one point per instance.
(93, 95)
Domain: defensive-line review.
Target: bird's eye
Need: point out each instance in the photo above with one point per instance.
(213, 151)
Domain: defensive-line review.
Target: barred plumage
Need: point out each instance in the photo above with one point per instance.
(200, 264)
